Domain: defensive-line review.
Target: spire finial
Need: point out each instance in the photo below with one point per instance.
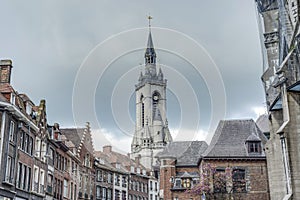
(149, 18)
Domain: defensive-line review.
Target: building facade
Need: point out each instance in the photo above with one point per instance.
(151, 125)
(130, 179)
(279, 32)
(236, 155)
(232, 166)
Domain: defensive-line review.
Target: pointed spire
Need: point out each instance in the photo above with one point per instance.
(150, 55)
(160, 75)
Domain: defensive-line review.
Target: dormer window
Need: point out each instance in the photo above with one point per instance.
(254, 147)
(253, 144)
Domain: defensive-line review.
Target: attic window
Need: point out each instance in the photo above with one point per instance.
(254, 147)
(28, 108)
(118, 166)
(13, 99)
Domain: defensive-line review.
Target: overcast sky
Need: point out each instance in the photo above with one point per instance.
(59, 48)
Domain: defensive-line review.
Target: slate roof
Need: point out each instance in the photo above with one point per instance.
(113, 157)
(263, 123)
(229, 140)
(187, 153)
(6, 88)
(74, 135)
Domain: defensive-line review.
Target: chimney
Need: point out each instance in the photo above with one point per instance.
(107, 149)
(5, 71)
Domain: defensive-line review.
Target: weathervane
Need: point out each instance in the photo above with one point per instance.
(149, 18)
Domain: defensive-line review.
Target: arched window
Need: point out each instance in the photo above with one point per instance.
(142, 111)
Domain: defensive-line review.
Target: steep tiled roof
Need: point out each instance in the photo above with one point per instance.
(73, 134)
(113, 157)
(230, 139)
(187, 153)
(6, 88)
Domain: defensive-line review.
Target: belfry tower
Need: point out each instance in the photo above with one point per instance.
(151, 125)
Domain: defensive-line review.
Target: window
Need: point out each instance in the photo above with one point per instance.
(9, 174)
(43, 151)
(177, 183)
(11, 131)
(28, 108)
(219, 181)
(109, 177)
(124, 181)
(103, 193)
(186, 183)
(117, 194)
(66, 192)
(109, 194)
(49, 183)
(254, 147)
(155, 186)
(99, 175)
(117, 180)
(13, 99)
(23, 177)
(151, 185)
(37, 147)
(123, 195)
(98, 192)
(238, 180)
(42, 179)
(87, 160)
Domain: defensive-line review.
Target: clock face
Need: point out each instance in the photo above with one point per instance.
(155, 97)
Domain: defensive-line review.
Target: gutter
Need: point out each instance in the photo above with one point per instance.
(280, 131)
(17, 112)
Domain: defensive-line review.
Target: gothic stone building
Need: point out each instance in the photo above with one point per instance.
(151, 126)
(279, 32)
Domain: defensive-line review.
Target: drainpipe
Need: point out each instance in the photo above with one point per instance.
(280, 131)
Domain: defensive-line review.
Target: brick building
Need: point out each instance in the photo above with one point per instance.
(237, 147)
(179, 168)
(21, 128)
(83, 148)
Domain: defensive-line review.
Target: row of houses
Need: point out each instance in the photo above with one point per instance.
(38, 160)
(42, 161)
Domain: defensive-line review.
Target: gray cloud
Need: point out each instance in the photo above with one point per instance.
(49, 40)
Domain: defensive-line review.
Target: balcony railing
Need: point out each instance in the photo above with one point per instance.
(36, 187)
(49, 189)
(42, 188)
